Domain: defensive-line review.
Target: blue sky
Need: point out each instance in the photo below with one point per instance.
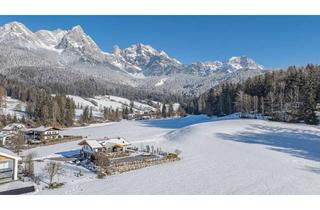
(273, 41)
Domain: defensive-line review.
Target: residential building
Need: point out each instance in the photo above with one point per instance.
(108, 145)
(43, 133)
(8, 165)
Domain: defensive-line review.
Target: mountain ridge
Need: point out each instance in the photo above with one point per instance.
(137, 65)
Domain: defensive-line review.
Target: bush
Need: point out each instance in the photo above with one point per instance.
(55, 185)
(172, 156)
(100, 175)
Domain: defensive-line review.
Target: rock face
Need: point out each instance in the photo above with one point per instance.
(73, 50)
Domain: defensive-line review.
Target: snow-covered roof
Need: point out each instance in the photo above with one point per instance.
(14, 126)
(7, 153)
(94, 144)
(42, 129)
(108, 142)
(112, 141)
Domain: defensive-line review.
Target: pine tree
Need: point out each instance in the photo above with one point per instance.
(164, 111)
(170, 112)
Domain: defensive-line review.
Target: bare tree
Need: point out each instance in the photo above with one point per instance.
(3, 94)
(262, 105)
(272, 98)
(101, 160)
(19, 142)
(29, 165)
(282, 95)
(240, 102)
(255, 105)
(247, 103)
(52, 169)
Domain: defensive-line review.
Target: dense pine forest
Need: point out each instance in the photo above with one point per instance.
(42, 108)
(290, 96)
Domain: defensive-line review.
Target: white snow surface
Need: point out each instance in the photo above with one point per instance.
(13, 107)
(161, 82)
(219, 156)
(114, 102)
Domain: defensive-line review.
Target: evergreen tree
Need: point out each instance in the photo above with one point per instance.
(164, 111)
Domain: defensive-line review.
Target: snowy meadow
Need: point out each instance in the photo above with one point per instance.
(219, 156)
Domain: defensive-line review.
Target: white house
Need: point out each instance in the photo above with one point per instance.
(44, 133)
(8, 165)
(108, 145)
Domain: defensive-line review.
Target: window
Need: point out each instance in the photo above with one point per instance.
(4, 165)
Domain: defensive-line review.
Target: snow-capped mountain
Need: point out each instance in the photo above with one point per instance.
(204, 68)
(140, 58)
(233, 64)
(75, 43)
(67, 55)
(242, 62)
(18, 35)
(51, 38)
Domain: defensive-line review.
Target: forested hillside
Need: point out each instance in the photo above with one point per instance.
(41, 108)
(292, 96)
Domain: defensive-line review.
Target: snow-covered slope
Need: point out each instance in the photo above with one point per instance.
(51, 38)
(98, 103)
(219, 156)
(13, 107)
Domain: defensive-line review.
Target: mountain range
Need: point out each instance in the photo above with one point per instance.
(67, 56)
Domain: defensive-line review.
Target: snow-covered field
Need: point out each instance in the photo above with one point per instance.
(13, 107)
(219, 156)
(98, 103)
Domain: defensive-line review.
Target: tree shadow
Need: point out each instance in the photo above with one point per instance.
(297, 142)
(312, 169)
(70, 153)
(180, 122)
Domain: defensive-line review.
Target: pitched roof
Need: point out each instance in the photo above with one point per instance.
(43, 128)
(7, 153)
(94, 144)
(119, 141)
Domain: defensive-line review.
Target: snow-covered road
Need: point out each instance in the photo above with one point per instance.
(233, 156)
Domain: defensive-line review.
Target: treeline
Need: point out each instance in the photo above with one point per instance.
(51, 110)
(290, 96)
(56, 81)
(42, 108)
(128, 112)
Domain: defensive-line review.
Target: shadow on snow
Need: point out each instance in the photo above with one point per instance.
(70, 153)
(297, 142)
(180, 122)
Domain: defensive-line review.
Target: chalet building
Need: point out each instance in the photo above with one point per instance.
(8, 165)
(13, 128)
(9, 131)
(43, 133)
(108, 145)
